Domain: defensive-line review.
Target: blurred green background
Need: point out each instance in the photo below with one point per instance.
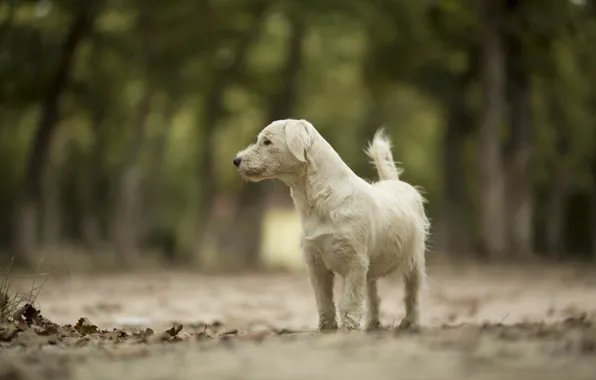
(119, 120)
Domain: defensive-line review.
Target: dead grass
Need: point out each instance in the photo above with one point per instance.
(12, 299)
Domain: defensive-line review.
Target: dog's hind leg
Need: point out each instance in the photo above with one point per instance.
(413, 284)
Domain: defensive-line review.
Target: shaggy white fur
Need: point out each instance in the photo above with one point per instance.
(359, 230)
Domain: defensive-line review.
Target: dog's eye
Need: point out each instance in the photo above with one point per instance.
(267, 142)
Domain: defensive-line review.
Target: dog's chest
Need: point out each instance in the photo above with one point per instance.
(333, 248)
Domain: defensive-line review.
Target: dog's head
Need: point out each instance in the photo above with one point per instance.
(281, 150)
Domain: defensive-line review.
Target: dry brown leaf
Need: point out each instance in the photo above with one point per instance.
(148, 331)
(229, 332)
(283, 331)
(26, 312)
(85, 327)
(25, 316)
(67, 331)
(114, 334)
(168, 335)
(174, 330)
(144, 334)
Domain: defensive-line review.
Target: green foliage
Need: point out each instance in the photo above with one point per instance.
(406, 64)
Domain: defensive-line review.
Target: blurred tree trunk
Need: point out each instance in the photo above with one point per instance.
(555, 209)
(492, 177)
(213, 111)
(455, 236)
(8, 21)
(251, 208)
(152, 224)
(127, 212)
(50, 211)
(91, 170)
(593, 219)
(248, 221)
(26, 234)
(89, 181)
(519, 147)
(560, 182)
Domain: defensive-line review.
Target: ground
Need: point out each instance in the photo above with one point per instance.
(481, 322)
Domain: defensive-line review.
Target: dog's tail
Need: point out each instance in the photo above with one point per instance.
(379, 150)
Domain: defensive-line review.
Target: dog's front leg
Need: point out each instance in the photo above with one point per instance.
(321, 280)
(351, 305)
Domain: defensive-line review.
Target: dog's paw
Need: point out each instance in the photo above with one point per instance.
(408, 326)
(326, 326)
(348, 330)
(373, 326)
(327, 329)
(349, 327)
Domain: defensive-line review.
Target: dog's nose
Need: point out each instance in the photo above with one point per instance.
(237, 161)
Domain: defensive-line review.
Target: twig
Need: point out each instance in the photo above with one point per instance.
(505, 317)
(11, 299)
(67, 268)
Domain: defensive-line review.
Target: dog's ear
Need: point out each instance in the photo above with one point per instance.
(299, 137)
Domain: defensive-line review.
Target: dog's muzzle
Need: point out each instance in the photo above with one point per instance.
(237, 161)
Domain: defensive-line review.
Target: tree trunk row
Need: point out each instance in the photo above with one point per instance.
(28, 212)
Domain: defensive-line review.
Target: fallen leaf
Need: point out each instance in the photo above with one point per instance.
(26, 312)
(85, 327)
(174, 330)
(168, 335)
(283, 331)
(25, 316)
(67, 331)
(229, 332)
(115, 334)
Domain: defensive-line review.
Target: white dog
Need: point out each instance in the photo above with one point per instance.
(358, 230)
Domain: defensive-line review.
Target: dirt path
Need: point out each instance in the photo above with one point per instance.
(490, 323)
